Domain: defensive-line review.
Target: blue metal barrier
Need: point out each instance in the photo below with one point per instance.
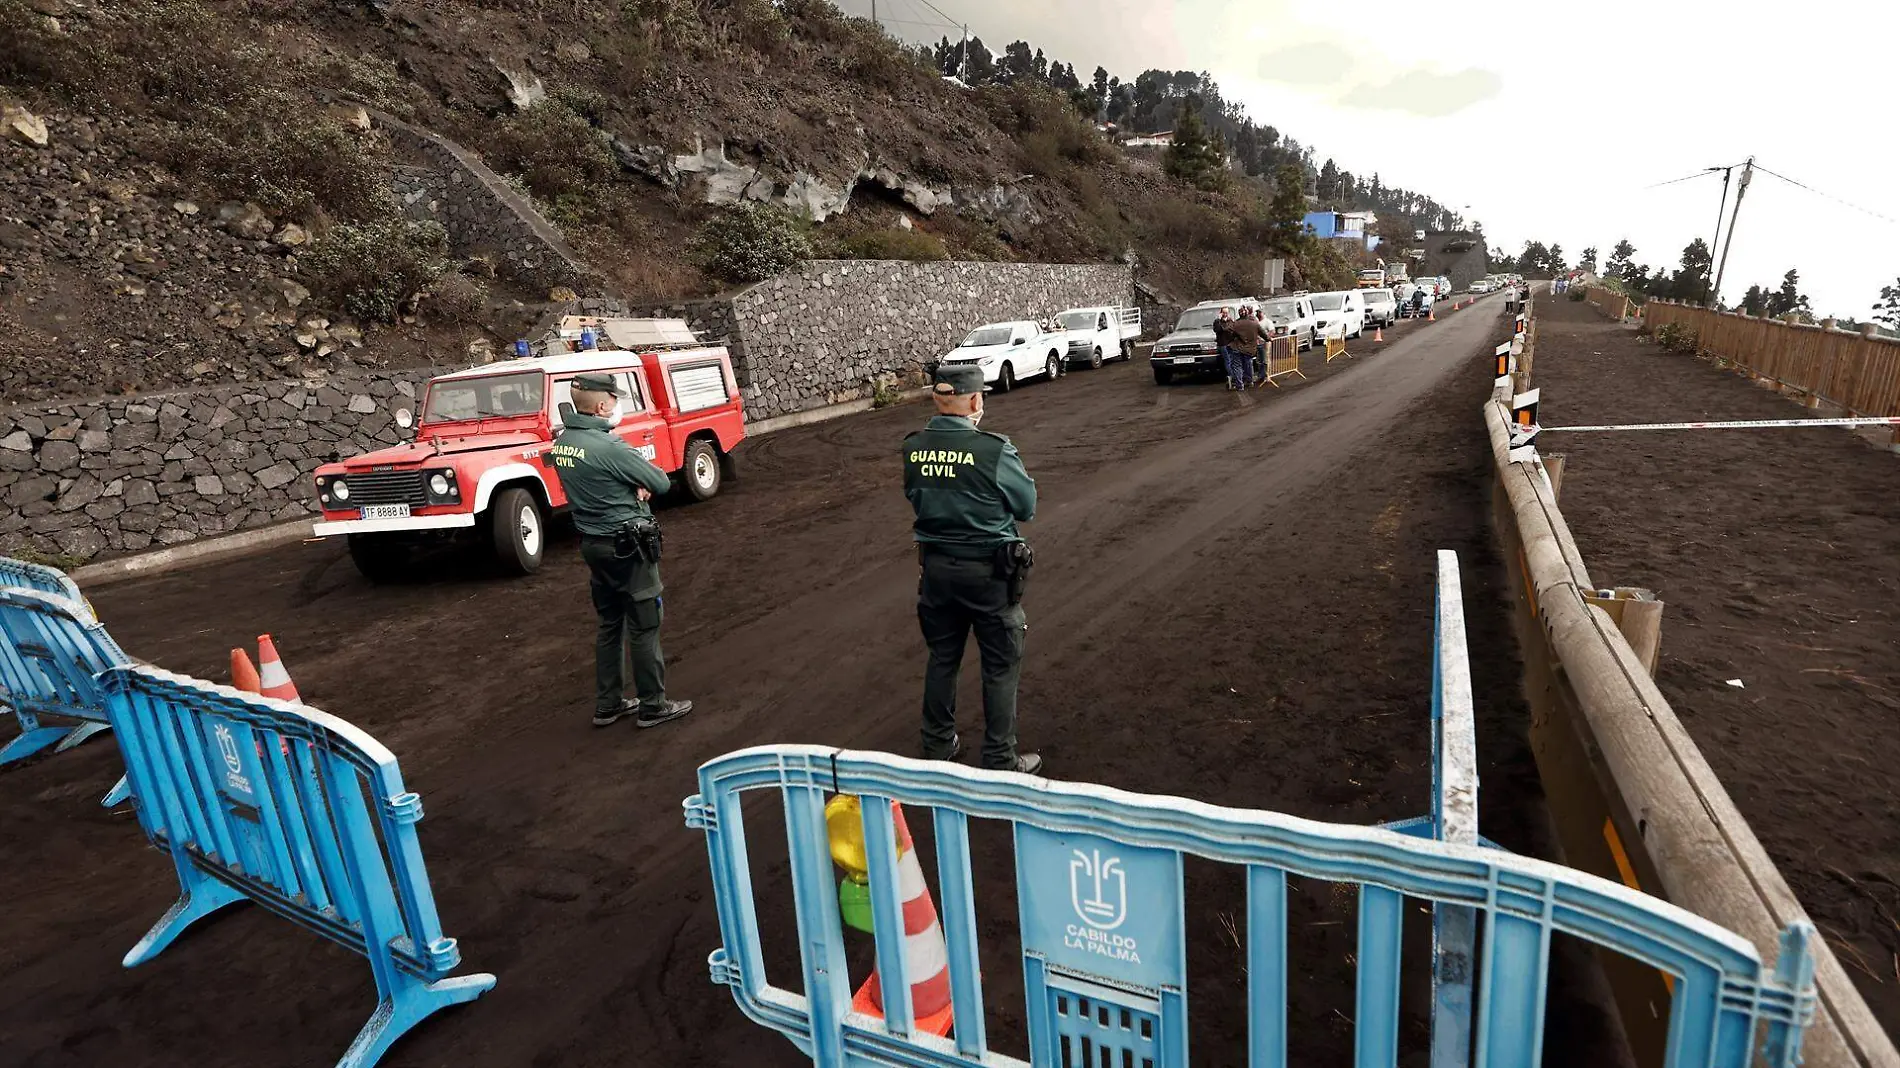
(42, 578)
(1098, 890)
(1103, 932)
(51, 647)
(296, 810)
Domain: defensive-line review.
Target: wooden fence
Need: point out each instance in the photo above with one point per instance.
(1857, 373)
(1614, 305)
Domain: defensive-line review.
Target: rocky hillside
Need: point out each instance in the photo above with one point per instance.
(196, 190)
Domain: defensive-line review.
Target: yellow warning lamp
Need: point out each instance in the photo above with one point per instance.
(844, 823)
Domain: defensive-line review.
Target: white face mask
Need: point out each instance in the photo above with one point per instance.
(614, 417)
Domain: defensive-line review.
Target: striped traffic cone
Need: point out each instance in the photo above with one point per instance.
(273, 679)
(925, 957)
(243, 675)
(1378, 334)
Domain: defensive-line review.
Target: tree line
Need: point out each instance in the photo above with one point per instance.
(1209, 130)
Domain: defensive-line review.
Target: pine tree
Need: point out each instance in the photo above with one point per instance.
(1755, 301)
(1286, 215)
(1887, 312)
(1788, 298)
(1621, 259)
(1691, 282)
(1589, 260)
(1194, 156)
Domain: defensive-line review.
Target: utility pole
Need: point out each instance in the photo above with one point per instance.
(1715, 237)
(1748, 172)
(963, 57)
(874, 21)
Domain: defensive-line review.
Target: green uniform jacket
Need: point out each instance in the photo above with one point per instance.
(602, 476)
(967, 486)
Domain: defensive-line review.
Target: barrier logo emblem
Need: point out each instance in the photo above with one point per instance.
(1091, 875)
(1094, 906)
(233, 762)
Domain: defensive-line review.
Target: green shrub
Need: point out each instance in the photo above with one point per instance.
(288, 162)
(370, 269)
(555, 150)
(1676, 338)
(753, 242)
(456, 299)
(893, 245)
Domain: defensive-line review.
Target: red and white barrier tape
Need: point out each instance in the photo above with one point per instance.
(1742, 424)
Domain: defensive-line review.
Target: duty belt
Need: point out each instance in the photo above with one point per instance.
(961, 552)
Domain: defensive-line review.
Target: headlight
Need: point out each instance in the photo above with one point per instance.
(340, 489)
(439, 485)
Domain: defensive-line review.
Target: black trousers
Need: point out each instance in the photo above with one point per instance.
(629, 633)
(955, 597)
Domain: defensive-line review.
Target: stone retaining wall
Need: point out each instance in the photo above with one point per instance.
(121, 474)
(828, 332)
(482, 213)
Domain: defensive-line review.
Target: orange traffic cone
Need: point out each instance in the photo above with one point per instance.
(924, 950)
(273, 680)
(243, 675)
(1431, 315)
(1378, 334)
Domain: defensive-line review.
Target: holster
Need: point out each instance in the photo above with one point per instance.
(640, 538)
(1014, 559)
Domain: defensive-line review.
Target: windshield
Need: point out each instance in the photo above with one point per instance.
(986, 335)
(1371, 274)
(1077, 320)
(1379, 296)
(452, 400)
(1197, 318)
(1329, 302)
(1281, 309)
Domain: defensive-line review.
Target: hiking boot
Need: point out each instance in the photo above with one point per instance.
(1026, 764)
(653, 717)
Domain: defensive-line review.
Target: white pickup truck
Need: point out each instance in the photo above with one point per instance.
(1292, 315)
(1010, 352)
(1099, 334)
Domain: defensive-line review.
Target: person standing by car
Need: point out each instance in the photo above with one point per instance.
(608, 484)
(1246, 346)
(968, 491)
(1224, 342)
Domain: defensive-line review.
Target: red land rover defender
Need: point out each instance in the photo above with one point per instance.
(476, 466)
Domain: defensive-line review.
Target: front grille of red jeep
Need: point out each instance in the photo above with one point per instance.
(387, 487)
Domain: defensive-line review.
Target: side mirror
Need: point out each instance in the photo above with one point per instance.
(1016, 342)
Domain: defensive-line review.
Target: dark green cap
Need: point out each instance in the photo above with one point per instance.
(597, 384)
(959, 379)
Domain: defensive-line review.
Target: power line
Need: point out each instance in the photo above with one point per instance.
(1828, 196)
(1685, 178)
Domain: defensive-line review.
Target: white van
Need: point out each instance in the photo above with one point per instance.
(1341, 314)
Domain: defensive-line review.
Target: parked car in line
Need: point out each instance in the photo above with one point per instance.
(1292, 315)
(1382, 308)
(1189, 348)
(1341, 314)
(480, 467)
(1010, 352)
(1098, 334)
(1483, 285)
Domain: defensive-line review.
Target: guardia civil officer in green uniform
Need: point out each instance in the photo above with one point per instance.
(608, 484)
(969, 490)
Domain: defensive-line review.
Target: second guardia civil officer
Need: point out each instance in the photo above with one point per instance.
(968, 489)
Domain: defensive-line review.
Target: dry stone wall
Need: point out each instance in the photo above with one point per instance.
(121, 474)
(830, 331)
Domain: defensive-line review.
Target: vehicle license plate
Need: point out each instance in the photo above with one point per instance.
(385, 511)
(1184, 359)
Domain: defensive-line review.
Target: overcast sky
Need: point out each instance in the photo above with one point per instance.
(1547, 119)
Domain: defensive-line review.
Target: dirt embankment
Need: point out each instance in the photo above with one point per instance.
(1778, 555)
